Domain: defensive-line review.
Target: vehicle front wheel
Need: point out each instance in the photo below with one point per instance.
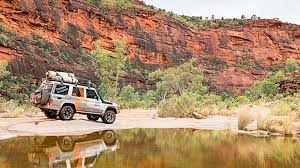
(50, 114)
(93, 117)
(109, 117)
(66, 113)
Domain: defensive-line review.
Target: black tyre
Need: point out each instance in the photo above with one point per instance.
(66, 113)
(50, 114)
(109, 117)
(66, 143)
(109, 137)
(93, 117)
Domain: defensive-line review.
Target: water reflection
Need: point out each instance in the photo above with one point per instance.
(55, 152)
(155, 148)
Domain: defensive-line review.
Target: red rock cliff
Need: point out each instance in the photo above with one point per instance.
(40, 35)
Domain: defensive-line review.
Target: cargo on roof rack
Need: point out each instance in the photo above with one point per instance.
(67, 78)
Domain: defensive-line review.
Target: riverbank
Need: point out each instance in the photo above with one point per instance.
(39, 125)
(127, 119)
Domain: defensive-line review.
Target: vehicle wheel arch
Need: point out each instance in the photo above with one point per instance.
(112, 109)
(68, 104)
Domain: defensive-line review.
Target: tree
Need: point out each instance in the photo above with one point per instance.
(187, 77)
(243, 17)
(120, 4)
(110, 68)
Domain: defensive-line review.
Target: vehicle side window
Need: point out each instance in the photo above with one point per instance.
(78, 92)
(61, 89)
(91, 94)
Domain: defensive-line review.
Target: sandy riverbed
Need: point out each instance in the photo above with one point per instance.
(127, 119)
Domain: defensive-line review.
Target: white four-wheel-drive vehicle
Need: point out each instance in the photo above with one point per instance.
(62, 94)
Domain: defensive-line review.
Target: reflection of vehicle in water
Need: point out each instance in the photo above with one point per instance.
(73, 151)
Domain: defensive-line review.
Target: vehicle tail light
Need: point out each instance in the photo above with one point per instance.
(50, 101)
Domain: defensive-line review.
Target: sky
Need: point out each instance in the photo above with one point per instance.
(285, 10)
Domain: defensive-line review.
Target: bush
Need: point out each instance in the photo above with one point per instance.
(3, 39)
(149, 99)
(178, 106)
(41, 43)
(187, 77)
(3, 71)
(291, 65)
(263, 89)
(12, 109)
(64, 55)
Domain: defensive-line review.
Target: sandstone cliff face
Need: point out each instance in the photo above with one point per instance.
(53, 35)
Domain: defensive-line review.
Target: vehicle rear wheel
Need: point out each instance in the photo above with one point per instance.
(66, 113)
(66, 143)
(50, 114)
(109, 117)
(109, 137)
(93, 117)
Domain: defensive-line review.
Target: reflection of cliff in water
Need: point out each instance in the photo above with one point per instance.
(66, 151)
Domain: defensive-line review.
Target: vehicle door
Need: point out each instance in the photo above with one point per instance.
(94, 101)
(60, 94)
(78, 97)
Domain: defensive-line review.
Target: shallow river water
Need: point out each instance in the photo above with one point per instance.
(151, 148)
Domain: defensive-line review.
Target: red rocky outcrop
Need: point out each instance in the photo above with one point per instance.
(153, 40)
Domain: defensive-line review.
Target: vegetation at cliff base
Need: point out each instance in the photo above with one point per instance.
(14, 93)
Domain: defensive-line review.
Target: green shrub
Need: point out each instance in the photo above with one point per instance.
(276, 77)
(221, 23)
(263, 89)
(3, 39)
(52, 2)
(291, 65)
(64, 55)
(18, 89)
(149, 99)
(41, 43)
(241, 100)
(241, 22)
(2, 26)
(178, 106)
(187, 77)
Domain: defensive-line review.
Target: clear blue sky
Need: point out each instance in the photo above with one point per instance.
(286, 10)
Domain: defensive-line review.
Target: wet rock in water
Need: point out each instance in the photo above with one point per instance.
(198, 116)
(259, 133)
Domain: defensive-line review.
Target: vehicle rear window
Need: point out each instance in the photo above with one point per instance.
(78, 92)
(61, 89)
(46, 87)
(91, 94)
(49, 87)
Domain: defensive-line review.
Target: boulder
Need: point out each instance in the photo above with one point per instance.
(199, 116)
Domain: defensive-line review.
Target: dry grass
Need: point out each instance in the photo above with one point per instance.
(12, 109)
(245, 116)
